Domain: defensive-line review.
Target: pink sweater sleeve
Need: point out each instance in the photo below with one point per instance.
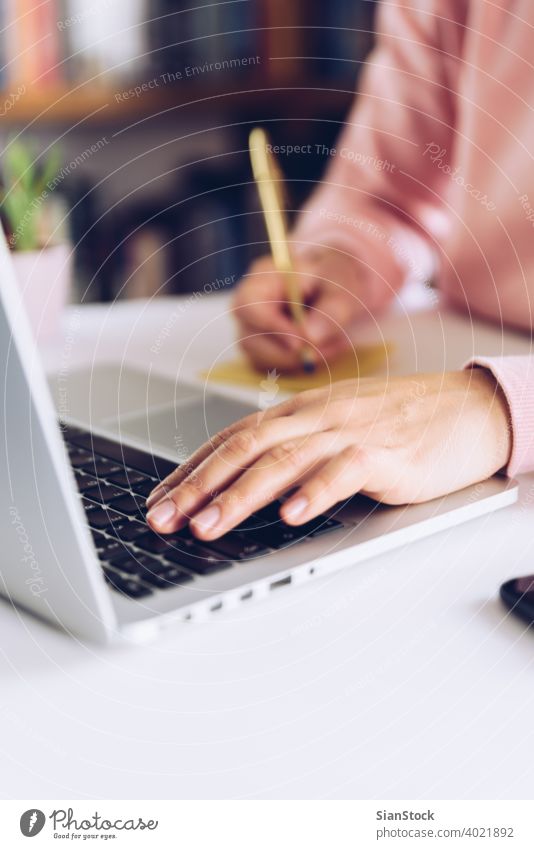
(515, 376)
(381, 200)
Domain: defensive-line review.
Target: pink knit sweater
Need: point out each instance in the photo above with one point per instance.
(433, 175)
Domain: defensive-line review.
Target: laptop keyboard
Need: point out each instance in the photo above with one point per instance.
(114, 480)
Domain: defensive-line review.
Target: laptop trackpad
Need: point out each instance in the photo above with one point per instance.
(182, 428)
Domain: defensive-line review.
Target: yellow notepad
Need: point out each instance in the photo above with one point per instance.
(360, 362)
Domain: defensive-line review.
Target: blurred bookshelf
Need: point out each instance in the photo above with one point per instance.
(70, 69)
(62, 105)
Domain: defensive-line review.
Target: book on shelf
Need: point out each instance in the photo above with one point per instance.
(121, 43)
(29, 43)
(192, 40)
(345, 37)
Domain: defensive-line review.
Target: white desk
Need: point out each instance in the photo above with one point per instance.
(400, 678)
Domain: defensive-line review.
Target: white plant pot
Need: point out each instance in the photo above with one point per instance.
(44, 278)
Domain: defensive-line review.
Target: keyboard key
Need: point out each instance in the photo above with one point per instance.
(79, 458)
(169, 576)
(201, 560)
(142, 461)
(129, 531)
(104, 493)
(271, 511)
(237, 547)
(278, 534)
(135, 563)
(322, 525)
(127, 586)
(183, 552)
(127, 478)
(268, 515)
(100, 467)
(85, 482)
(154, 543)
(103, 519)
(99, 540)
(145, 487)
(275, 535)
(108, 549)
(98, 537)
(130, 505)
(151, 571)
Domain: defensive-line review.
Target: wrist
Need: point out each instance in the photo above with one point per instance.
(491, 395)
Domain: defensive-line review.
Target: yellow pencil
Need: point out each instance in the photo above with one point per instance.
(268, 178)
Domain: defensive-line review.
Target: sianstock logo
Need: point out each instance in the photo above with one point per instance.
(32, 822)
(68, 825)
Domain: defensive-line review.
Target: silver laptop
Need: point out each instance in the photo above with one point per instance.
(76, 550)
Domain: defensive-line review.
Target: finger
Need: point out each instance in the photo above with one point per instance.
(222, 467)
(268, 316)
(260, 303)
(331, 315)
(312, 400)
(332, 350)
(341, 477)
(268, 351)
(181, 472)
(274, 472)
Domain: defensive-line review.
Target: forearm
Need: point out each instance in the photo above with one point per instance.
(515, 376)
(381, 201)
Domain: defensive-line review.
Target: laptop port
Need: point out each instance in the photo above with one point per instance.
(282, 582)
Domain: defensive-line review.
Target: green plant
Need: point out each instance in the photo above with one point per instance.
(25, 179)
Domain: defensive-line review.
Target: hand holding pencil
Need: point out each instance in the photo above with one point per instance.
(269, 182)
(292, 311)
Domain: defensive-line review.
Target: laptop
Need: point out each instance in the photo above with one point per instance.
(76, 550)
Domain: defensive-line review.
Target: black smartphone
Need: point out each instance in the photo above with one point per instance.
(518, 595)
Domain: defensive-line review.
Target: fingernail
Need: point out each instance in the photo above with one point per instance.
(208, 519)
(293, 509)
(162, 514)
(318, 328)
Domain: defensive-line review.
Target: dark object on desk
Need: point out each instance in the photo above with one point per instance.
(518, 595)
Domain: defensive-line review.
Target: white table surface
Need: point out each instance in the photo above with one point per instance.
(400, 678)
